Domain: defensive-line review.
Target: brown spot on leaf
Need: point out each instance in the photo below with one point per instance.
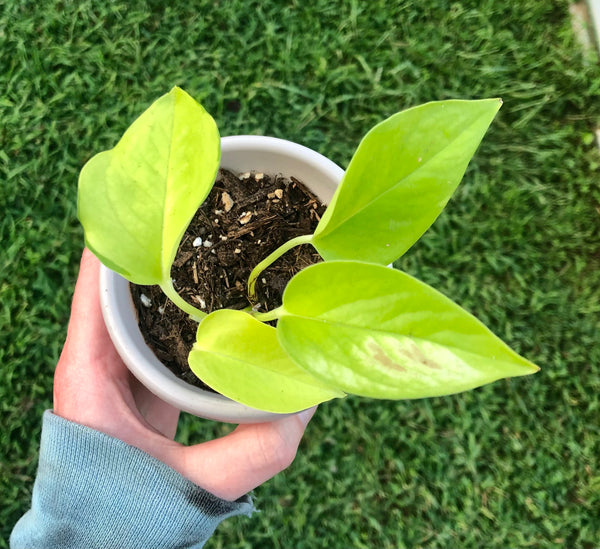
(380, 356)
(417, 355)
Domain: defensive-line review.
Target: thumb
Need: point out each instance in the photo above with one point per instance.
(231, 466)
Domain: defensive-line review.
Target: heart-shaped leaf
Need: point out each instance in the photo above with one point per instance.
(378, 332)
(400, 179)
(240, 357)
(136, 200)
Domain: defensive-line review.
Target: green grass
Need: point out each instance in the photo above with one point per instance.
(514, 464)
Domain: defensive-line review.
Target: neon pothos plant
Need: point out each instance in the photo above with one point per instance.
(346, 325)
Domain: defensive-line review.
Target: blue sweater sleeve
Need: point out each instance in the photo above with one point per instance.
(93, 490)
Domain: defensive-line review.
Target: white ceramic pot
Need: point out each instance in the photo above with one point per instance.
(239, 154)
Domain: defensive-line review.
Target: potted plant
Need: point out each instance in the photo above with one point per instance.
(239, 154)
(346, 325)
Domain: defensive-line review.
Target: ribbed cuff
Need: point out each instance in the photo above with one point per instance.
(93, 490)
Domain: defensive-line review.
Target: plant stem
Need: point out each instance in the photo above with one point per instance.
(269, 315)
(169, 290)
(271, 258)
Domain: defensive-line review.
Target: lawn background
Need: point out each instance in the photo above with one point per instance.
(513, 464)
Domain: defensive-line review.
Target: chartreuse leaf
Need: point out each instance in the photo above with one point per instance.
(136, 200)
(240, 357)
(377, 332)
(400, 179)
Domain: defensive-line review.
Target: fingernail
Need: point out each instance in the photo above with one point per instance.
(306, 415)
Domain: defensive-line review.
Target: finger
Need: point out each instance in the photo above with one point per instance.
(91, 353)
(233, 465)
(87, 332)
(158, 414)
(88, 358)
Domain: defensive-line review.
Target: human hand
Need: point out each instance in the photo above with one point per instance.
(93, 387)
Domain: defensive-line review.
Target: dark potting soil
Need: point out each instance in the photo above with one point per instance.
(244, 219)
